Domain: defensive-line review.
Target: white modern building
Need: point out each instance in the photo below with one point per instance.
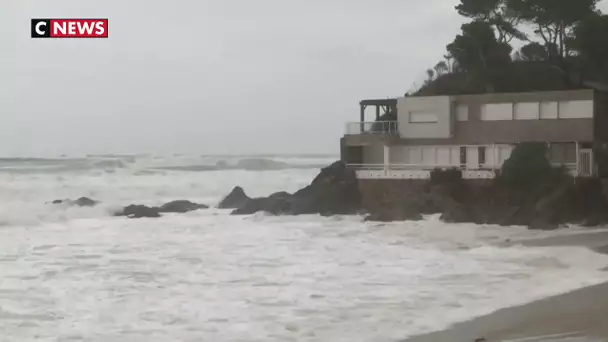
(476, 133)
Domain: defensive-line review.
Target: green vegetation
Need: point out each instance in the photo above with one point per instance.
(523, 45)
(446, 175)
(527, 167)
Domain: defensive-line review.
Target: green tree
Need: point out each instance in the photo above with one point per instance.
(430, 76)
(590, 42)
(527, 166)
(477, 48)
(534, 52)
(497, 14)
(441, 68)
(553, 19)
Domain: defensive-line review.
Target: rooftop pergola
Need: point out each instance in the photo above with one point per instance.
(383, 106)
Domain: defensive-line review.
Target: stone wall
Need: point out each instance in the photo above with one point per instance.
(380, 194)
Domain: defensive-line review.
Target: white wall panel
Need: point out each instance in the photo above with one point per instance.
(443, 156)
(455, 155)
(428, 155)
(472, 157)
(490, 158)
(504, 152)
(415, 155)
(399, 155)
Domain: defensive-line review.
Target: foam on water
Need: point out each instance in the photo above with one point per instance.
(80, 275)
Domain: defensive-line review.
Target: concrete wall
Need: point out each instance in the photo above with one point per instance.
(373, 154)
(425, 117)
(562, 116)
(383, 194)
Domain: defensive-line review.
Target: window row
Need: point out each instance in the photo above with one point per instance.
(529, 111)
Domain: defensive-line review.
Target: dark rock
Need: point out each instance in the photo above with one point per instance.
(456, 213)
(541, 223)
(85, 202)
(181, 206)
(276, 205)
(235, 199)
(281, 194)
(139, 211)
(333, 192)
(80, 202)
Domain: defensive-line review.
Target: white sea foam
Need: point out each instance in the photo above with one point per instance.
(80, 275)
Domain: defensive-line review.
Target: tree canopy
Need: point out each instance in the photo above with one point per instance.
(590, 42)
(566, 38)
(477, 48)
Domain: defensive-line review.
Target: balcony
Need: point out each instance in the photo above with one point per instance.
(373, 128)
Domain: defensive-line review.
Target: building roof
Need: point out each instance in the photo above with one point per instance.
(379, 102)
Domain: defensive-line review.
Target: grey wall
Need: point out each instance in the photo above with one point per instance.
(373, 154)
(439, 105)
(476, 131)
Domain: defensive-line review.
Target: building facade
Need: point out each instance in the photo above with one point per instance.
(477, 133)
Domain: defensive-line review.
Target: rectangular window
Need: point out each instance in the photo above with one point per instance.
(575, 109)
(463, 156)
(462, 112)
(423, 117)
(548, 110)
(481, 155)
(497, 111)
(526, 111)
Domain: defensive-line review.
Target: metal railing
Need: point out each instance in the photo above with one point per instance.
(375, 127)
(419, 167)
(570, 167)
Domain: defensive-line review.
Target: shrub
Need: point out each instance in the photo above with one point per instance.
(446, 175)
(527, 167)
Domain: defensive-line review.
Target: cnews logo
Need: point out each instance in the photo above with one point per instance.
(69, 28)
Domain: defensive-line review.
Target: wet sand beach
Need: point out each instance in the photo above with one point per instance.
(581, 315)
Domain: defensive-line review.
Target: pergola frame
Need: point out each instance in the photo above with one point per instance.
(383, 106)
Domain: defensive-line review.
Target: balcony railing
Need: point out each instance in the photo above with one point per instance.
(375, 127)
(426, 167)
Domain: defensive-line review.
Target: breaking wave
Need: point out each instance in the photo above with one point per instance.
(145, 164)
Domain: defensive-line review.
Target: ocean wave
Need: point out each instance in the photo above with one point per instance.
(249, 164)
(147, 164)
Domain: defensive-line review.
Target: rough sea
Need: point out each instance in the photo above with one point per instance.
(79, 274)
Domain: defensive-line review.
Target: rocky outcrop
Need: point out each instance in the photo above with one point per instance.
(235, 199)
(333, 192)
(554, 204)
(181, 206)
(80, 202)
(138, 211)
(141, 211)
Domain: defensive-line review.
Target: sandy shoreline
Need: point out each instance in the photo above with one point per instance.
(580, 315)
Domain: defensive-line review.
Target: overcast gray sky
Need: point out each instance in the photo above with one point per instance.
(209, 76)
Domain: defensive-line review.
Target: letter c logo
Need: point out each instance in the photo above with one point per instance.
(38, 25)
(41, 28)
